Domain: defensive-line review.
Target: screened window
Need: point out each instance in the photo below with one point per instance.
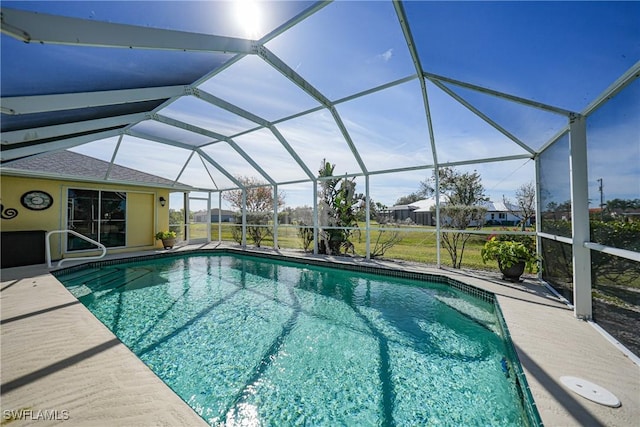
(99, 215)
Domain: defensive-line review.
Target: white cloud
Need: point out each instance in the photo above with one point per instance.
(386, 55)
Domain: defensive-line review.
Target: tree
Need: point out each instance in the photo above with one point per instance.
(408, 199)
(337, 208)
(176, 221)
(459, 188)
(622, 205)
(525, 202)
(302, 217)
(361, 208)
(259, 204)
(463, 194)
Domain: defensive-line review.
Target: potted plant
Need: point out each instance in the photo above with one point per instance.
(513, 257)
(168, 238)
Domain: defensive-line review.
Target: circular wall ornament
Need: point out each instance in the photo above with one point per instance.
(36, 200)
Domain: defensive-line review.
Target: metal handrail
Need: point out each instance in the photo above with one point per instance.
(75, 233)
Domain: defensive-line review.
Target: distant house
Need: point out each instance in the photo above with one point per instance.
(422, 212)
(224, 216)
(396, 214)
(499, 213)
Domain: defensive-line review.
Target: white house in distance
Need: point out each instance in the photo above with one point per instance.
(422, 212)
(499, 213)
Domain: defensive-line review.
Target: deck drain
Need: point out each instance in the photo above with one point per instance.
(591, 391)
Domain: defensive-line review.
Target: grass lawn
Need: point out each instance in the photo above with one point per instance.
(418, 243)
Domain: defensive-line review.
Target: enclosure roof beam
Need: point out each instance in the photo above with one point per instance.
(376, 89)
(186, 126)
(519, 100)
(56, 131)
(43, 147)
(69, 101)
(196, 129)
(178, 144)
(218, 102)
(406, 30)
(32, 27)
(486, 160)
(483, 116)
(629, 76)
(220, 168)
(271, 59)
(277, 63)
(292, 152)
(214, 100)
(216, 136)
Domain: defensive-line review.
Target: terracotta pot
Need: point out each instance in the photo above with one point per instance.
(512, 273)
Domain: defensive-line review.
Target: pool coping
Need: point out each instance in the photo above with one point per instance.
(542, 349)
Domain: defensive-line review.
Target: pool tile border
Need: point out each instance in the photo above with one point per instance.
(384, 271)
(522, 386)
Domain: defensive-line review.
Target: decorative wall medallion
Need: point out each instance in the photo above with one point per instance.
(9, 213)
(36, 200)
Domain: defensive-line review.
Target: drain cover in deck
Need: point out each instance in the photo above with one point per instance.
(591, 391)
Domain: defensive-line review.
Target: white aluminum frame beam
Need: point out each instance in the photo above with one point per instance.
(292, 152)
(55, 131)
(186, 126)
(244, 217)
(218, 137)
(367, 212)
(38, 148)
(483, 116)
(406, 30)
(498, 94)
(620, 83)
(218, 102)
(207, 169)
(275, 217)
(113, 157)
(318, 5)
(214, 100)
(32, 27)
(184, 167)
(271, 59)
(69, 101)
(580, 217)
(173, 143)
(284, 69)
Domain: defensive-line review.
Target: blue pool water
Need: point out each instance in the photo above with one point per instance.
(253, 341)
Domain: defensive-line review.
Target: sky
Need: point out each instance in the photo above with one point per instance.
(563, 54)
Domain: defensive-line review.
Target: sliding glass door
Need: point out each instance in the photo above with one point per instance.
(99, 215)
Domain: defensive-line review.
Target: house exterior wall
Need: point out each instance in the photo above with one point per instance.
(502, 218)
(424, 218)
(144, 214)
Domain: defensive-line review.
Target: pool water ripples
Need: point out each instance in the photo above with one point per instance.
(247, 341)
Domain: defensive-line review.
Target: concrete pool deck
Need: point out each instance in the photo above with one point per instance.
(61, 366)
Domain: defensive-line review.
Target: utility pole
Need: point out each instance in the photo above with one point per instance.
(601, 200)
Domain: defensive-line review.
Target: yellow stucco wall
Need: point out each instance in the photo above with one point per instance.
(145, 216)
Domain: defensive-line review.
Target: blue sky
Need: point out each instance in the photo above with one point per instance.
(560, 53)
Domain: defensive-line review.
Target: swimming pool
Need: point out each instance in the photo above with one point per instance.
(256, 341)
